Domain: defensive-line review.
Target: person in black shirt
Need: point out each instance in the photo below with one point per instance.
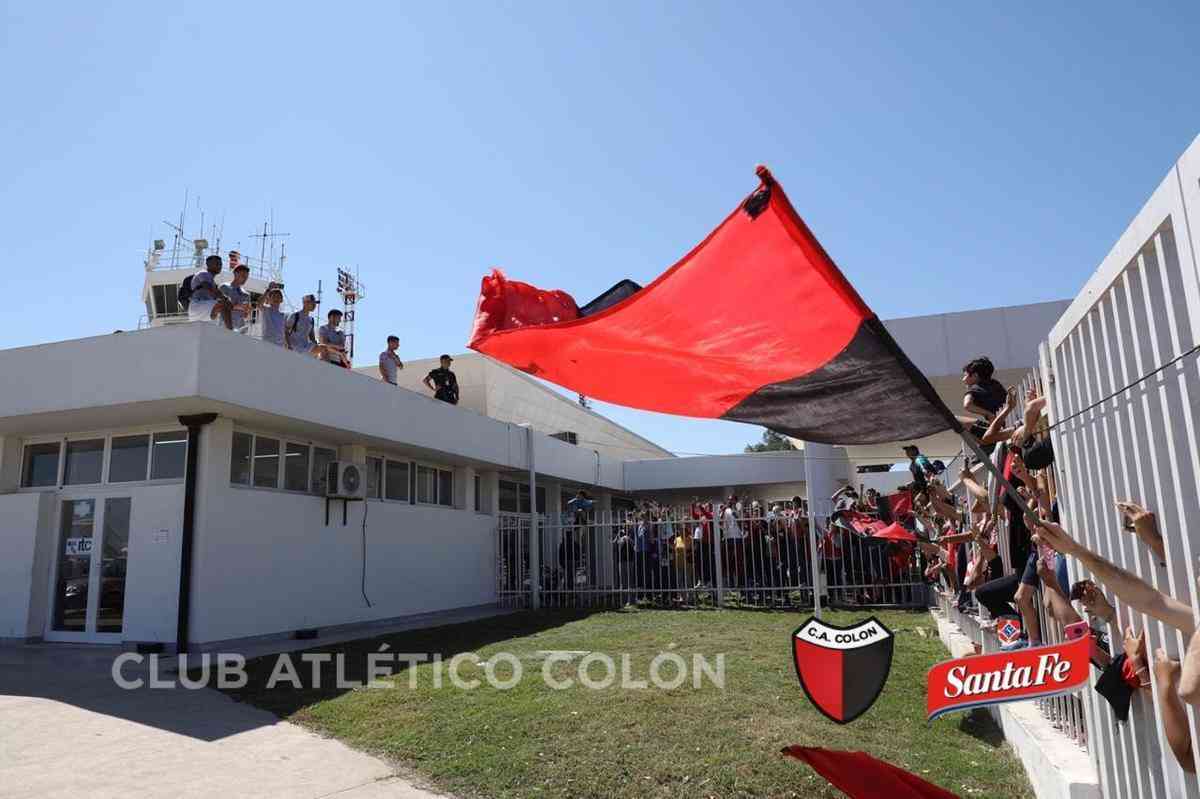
(442, 382)
(985, 395)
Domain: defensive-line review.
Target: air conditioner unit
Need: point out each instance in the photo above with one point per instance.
(345, 481)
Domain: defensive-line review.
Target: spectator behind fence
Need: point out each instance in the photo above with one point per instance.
(239, 298)
(1176, 684)
(919, 467)
(333, 340)
(270, 318)
(299, 331)
(389, 361)
(442, 382)
(984, 395)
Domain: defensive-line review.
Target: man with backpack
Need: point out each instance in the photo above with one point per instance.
(200, 295)
(299, 330)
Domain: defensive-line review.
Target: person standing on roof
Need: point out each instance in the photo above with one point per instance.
(442, 382)
(299, 331)
(389, 361)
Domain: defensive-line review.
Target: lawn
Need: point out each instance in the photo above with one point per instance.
(532, 740)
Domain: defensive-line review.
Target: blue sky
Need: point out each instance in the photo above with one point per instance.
(948, 157)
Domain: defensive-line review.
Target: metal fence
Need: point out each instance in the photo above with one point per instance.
(1122, 377)
(1124, 386)
(763, 556)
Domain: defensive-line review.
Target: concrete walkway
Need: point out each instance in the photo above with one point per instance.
(67, 730)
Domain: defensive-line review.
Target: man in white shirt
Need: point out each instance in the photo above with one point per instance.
(734, 543)
(207, 303)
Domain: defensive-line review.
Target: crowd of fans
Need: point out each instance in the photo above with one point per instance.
(994, 552)
(231, 306)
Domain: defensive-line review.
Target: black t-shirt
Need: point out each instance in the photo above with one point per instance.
(988, 394)
(446, 385)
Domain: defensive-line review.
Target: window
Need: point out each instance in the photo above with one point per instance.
(426, 485)
(266, 462)
(128, 459)
(374, 478)
(568, 436)
(445, 487)
(514, 497)
(85, 462)
(41, 465)
(166, 299)
(478, 493)
(396, 484)
(295, 467)
(239, 464)
(169, 460)
(320, 469)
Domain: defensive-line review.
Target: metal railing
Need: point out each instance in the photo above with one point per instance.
(703, 556)
(1124, 390)
(1121, 373)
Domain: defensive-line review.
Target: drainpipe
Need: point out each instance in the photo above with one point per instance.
(193, 424)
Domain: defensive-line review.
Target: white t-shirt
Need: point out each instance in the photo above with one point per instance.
(732, 530)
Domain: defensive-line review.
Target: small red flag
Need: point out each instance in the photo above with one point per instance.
(857, 774)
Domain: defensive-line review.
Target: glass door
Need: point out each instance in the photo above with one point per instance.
(88, 601)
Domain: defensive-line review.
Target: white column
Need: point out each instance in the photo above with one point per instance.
(819, 487)
(464, 488)
(10, 463)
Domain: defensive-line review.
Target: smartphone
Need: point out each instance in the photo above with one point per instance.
(1077, 630)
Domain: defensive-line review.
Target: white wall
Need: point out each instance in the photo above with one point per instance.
(508, 395)
(152, 574)
(265, 563)
(24, 523)
(720, 470)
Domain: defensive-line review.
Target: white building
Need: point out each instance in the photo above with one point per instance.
(169, 484)
(106, 493)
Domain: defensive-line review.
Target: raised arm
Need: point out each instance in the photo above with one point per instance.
(1131, 589)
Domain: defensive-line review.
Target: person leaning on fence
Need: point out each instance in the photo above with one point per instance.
(206, 303)
(1176, 683)
(389, 361)
(333, 341)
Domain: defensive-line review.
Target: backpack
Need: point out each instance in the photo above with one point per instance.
(291, 325)
(185, 292)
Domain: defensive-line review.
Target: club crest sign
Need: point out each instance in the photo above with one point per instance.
(842, 669)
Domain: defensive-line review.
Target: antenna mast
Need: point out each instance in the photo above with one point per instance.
(352, 290)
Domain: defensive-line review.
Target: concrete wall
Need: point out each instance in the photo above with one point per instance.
(505, 394)
(719, 470)
(265, 563)
(25, 521)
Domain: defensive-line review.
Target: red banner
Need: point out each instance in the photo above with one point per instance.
(1007, 677)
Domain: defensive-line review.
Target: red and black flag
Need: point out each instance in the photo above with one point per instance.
(756, 324)
(842, 669)
(861, 776)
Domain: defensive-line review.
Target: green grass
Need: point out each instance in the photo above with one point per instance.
(533, 741)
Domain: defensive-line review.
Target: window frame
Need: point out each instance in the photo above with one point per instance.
(284, 442)
(107, 435)
(437, 469)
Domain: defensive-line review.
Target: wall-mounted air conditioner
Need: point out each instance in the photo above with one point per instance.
(345, 480)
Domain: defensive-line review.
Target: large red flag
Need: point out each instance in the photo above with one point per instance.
(861, 776)
(756, 324)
